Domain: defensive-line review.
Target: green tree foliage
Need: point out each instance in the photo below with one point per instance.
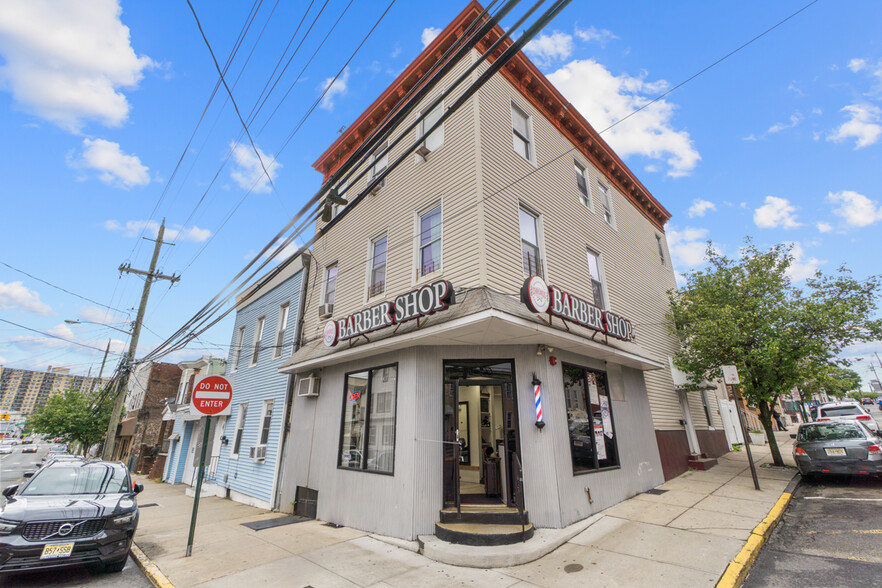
(74, 415)
(746, 312)
(830, 378)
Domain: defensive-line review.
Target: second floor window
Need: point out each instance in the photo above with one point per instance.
(265, 422)
(582, 184)
(330, 283)
(430, 241)
(596, 279)
(258, 339)
(380, 164)
(530, 244)
(522, 137)
(378, 267)
(280, 332)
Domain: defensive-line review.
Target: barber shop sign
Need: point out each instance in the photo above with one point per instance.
(424, 301)
(542, 298)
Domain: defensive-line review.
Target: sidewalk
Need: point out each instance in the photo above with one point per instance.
(684, 536)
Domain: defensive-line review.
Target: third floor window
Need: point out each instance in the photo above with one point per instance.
(430, 242)
(378, 267)
(522, 136)
(530, 243)
(330, 283)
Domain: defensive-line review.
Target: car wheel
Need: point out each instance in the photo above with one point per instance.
(116, 566)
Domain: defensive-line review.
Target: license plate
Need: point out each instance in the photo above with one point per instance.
(56, 551)
(835, 451)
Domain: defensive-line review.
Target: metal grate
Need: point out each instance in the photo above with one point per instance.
(655, 491)
(42, 529)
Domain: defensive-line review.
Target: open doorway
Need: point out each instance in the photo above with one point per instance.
(480, 417)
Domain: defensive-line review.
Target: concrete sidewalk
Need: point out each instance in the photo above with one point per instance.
(684, 536)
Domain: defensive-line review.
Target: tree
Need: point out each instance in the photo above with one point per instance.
(830, 378)
(74, 415)
(746, 312)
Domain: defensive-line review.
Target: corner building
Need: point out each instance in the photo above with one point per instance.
(484, 268)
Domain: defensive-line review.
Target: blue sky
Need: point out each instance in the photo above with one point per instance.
(780, 142)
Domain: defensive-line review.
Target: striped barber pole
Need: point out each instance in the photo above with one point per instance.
(537, 394)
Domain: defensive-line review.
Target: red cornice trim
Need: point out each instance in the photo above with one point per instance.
(532, 84)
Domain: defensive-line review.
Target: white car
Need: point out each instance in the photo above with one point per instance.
(846, 411)
(5, 449)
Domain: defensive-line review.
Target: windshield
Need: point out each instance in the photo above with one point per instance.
(79, 479)
(835, 411)
(830, 432)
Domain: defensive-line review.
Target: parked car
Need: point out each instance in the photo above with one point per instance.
(837, 447)
(29, 449)
(846, 411)
(69, 513)
(6, 449)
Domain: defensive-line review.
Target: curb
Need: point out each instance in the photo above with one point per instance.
(150, 569)
(738, 568)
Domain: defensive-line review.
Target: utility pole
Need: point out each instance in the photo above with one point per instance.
(128, 361)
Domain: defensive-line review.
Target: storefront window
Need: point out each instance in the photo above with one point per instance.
(589, 418)
(368, 433)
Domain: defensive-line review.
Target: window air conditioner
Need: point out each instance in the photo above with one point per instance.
(326, 310)
(309, 387)
(258, 452)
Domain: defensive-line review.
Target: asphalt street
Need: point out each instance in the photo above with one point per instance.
(830, 536)
(12, 468)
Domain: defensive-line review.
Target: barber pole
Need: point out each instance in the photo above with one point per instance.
(537, 395)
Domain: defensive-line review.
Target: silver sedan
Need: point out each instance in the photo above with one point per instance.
(837, 448)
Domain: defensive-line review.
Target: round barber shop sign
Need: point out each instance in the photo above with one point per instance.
(537, 297)
(330, 333)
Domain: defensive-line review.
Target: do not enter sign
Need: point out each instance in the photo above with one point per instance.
(212, 396)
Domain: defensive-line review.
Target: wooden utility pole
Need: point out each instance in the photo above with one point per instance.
(128, 360)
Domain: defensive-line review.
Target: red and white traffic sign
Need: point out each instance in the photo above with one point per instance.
(212, 396)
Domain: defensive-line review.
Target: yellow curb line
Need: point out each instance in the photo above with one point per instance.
(150, 569)
(738, 567)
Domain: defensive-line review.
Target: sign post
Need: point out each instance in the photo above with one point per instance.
(730, 377)
(212, 395)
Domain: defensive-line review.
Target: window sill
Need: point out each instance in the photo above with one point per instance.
(374, 472)
(598, 470)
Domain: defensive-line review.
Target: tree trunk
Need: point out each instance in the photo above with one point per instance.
(766, 419)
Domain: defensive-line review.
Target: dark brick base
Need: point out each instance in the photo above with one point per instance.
(673, 448)
(712, 443)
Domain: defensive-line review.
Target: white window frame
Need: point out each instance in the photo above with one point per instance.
(258, 340)
(418, 250)
(325, 282)
(661, 250)
(537, 218)
(378, 166)
(584, 197)
(281, 327)
(239, 431)
(264, 425)
(369, 289)
(438, 135)
(602, 277)
(606, 205)
(237, 351)
(529, 139)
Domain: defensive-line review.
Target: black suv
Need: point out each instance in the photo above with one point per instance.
(69, 513)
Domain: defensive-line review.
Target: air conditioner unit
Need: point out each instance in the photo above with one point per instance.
(326, 311)
(309, 387)
(258, 452)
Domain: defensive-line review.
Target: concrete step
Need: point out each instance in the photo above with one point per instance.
(490, 515)
(702, 463)
(483, 534)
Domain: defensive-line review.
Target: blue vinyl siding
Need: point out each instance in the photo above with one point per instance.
(183, 446)
(253, 384)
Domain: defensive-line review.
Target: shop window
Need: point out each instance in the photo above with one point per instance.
(434, 141)
(237, 350)
(367, 439)
(596, 279)
(258, 340)
(582, 184)
(430, 242)
(265, 421)
(378, 267)
(530, 243)
(522, 135)
(240, 428)
(589, 418)
(280, 331)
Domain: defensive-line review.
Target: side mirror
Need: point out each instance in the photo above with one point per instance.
(28, 474)
(138, 488)
(10, 490)
(793, 435)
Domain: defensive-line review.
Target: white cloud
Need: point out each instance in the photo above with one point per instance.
(66, 62)
(824, 227)
(334, 88)
(3, 360)
(863, 125)
(688, 247)
(547, 48)
(802, 267)
(593, 34)
(247, 171)
(100, 315)
(604, 99)
(429, 34)
(172, 232)
(113, 166)
(700, 207)
(15, 296)
(857, 64)
(284, 254)
(776, 212)
(778, 127)
(855, 209)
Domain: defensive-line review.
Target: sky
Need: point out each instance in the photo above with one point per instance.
(107, 128)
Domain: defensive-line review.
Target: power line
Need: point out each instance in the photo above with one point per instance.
(50, 335)
(65, 291)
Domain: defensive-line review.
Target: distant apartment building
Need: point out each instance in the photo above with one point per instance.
(24, 390)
